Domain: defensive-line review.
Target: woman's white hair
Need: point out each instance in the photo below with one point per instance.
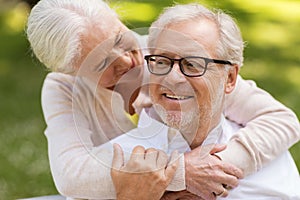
(56, 28)
(230, 45)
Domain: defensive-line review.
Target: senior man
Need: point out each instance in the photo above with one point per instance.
(194, 62)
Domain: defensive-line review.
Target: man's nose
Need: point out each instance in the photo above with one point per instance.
(175, 75)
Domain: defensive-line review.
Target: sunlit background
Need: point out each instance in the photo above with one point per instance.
(270, 27)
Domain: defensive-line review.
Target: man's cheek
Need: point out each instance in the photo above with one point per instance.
(152, 93)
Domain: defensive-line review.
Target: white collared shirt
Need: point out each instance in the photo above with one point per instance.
(278, 180)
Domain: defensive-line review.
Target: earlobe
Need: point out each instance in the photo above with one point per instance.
(231, 79)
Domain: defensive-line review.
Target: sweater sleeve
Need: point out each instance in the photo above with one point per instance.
(73, 157)
(269, 127)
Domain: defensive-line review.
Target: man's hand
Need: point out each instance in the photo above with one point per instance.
(206, 175)
(145, 176)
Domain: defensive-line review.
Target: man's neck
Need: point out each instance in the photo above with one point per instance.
(207, 133)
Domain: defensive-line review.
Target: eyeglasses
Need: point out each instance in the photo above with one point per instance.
(191, 66)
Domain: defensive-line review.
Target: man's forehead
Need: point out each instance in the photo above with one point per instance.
(180, 44)
(198, 37)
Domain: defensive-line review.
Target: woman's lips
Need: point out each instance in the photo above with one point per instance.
(132, 63)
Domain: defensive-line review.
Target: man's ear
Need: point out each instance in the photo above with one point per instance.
(231, 78)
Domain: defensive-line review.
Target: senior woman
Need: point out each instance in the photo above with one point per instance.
(97, 70)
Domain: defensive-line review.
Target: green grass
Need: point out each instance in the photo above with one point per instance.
(271, 59)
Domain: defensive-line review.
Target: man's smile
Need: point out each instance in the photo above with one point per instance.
(176, 97)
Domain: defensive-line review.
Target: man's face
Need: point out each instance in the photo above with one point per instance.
(189, 103)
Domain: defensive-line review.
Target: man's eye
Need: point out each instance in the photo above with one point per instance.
(193, 65)
(162, 62)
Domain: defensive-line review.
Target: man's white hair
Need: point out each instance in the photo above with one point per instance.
(230, 45)
(57, 28)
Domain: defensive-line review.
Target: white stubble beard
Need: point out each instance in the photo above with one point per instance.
(187, 122)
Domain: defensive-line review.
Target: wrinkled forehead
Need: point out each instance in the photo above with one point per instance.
(174, 42)
(197, 37)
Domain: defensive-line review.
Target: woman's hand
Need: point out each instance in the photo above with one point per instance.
(145, 176)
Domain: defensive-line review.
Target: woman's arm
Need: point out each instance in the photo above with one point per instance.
(74, 157)
(269, 127)
(79, 166)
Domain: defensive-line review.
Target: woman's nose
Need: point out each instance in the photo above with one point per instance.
(123, 61)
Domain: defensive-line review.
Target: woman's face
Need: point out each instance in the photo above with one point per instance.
(124, 56)
(110, 51)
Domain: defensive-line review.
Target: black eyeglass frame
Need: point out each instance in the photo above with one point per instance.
(206, 60)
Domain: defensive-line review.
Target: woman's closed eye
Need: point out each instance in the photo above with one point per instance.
(118, 39)
(102, 65)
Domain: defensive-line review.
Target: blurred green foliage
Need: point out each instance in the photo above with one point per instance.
(270, 27)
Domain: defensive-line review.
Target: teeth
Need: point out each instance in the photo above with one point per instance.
(176, 97)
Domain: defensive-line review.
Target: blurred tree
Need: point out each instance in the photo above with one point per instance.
(5, 4)
(31, 3)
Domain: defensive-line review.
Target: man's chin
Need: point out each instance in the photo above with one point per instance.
(176, 119)
(170, 118)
